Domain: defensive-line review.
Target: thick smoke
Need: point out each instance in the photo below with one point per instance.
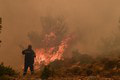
(88, 19)
(54, 30)
(110, 46)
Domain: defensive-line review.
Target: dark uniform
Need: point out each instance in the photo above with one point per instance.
(29, 59)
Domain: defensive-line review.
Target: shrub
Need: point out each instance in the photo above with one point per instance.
(7, 70)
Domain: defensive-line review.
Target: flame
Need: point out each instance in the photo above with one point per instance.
(47, 55)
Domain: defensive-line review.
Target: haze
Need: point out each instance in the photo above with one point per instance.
(92, 19)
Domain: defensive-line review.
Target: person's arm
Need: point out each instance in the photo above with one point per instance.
(23, 52)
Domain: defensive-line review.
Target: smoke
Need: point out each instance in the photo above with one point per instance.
(53, 32)
(89, 20)
(51, 44)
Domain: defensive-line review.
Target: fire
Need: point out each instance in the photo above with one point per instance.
(47, 55)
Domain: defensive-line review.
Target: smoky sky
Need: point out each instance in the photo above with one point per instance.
(89, 19)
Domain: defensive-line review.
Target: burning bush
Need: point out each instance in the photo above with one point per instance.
(52, 42)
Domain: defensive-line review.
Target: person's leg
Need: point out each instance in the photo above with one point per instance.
(25, 69)
(32, 69)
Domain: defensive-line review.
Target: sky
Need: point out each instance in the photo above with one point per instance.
(92, 19)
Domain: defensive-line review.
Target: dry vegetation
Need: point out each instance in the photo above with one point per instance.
(84, 69)
(7, 73)
(80, 66)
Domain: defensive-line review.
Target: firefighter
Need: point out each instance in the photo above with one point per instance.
(29, 59)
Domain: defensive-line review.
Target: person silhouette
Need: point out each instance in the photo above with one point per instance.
(29, 59)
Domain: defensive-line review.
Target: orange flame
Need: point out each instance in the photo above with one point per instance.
(46, 56)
